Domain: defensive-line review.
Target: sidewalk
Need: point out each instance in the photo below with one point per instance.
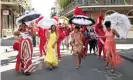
(125, 51)
(128, 54)
(3, 51)
(8, 37)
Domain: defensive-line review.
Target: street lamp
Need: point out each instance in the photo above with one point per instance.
(53, 13)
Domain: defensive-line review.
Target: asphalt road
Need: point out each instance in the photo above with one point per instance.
(91, 69)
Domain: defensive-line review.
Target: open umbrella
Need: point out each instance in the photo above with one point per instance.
(120, 23)
(28, 17)
(47, 22)
(81, 20)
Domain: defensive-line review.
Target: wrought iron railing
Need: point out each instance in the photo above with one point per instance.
(95, 3)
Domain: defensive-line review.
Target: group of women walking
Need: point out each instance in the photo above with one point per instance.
(80, 37)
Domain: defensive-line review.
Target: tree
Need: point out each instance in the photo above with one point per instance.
(64, 3)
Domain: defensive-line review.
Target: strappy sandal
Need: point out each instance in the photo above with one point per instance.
(107, 68)
(77, 67)
(112, 71)
(50, 68)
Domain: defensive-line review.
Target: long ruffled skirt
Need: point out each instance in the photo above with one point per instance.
(51, 59)
(112, 55)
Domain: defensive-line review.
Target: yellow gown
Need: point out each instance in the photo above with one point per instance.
(51, 59)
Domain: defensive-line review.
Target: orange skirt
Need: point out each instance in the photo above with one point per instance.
(112, 55)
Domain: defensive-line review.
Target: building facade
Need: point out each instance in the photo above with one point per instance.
(94, 8)
(10, 11)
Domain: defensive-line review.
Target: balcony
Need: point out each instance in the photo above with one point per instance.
(23, 3)
(10, 1)
(96, 3)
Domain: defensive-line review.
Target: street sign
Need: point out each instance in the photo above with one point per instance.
(6, 12)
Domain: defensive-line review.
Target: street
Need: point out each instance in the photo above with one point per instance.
(91, 68)
(53, 23)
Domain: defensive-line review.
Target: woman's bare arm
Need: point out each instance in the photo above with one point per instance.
(57, 34)
(47, 36)
(116, 33)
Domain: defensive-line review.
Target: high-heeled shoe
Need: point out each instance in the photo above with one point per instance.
(112, 71)
(50, 68)
(78, 67)
(107, 68)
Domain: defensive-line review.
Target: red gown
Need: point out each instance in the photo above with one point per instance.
(42, 36)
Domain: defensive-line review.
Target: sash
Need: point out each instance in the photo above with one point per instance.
(101, 40)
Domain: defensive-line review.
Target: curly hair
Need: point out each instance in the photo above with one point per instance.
(16, 33)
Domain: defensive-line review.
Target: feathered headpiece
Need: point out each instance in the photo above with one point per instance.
(99, 21)
(78, 11)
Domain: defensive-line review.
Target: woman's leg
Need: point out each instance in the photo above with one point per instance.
(112, 65)
(94, 47)
(41, 49)
(77, 60)
(79, 56)
(86, 47)
(90, 47)
(107, 62)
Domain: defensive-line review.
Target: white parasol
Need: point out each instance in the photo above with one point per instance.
(47, 22)
(120, 23)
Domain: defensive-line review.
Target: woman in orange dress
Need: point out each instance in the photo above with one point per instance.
(77, 45)
(113, 57)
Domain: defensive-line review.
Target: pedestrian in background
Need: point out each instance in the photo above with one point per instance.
(92, 40)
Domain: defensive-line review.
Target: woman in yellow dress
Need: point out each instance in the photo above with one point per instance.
(50, 59)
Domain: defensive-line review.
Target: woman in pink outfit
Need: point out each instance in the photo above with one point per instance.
(113, 57)
(77, 45)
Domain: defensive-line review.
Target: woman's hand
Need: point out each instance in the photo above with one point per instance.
(53, 46)
(84, 47)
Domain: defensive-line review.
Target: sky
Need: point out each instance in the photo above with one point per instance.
(43, 6)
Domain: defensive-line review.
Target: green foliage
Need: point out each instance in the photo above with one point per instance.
(64, 3)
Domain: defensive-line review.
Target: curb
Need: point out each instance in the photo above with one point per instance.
(127, 58)
(124, 41)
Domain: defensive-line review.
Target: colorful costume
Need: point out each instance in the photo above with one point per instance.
(60, 39)
(24, 57)
(77, 42)
(110, 48)
(50, 58)
(42, 36)
(100, 32)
